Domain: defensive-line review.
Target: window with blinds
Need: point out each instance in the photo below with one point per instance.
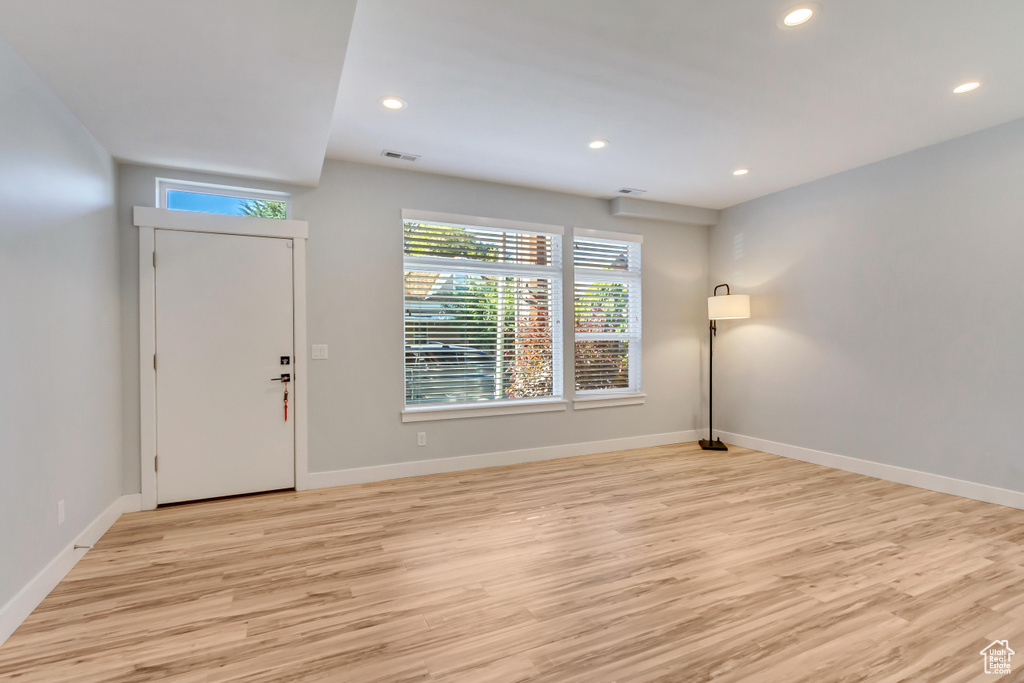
(606, 299)
(482, 313)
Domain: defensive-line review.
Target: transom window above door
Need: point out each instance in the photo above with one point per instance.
(185, 195)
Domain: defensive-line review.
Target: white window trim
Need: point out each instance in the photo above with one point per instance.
(607, 235)
(452, 411)
(479, 221)
(606, 398)
(455, 411)
(165, 184)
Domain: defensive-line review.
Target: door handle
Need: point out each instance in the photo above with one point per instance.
(282, 378)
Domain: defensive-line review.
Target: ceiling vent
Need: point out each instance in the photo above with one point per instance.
(632, 191)
(390, 154)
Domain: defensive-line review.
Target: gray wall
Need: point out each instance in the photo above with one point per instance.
(887, 321)
(60, 417)
(355, 306)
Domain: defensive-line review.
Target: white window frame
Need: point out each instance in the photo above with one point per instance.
(165, 184)
(450, 411)
(633, 394)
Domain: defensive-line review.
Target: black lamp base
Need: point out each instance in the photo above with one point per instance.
(715, 445)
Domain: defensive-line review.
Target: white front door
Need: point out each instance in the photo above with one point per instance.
(223, 326)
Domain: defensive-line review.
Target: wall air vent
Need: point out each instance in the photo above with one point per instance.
(632, 191)
(390, 154)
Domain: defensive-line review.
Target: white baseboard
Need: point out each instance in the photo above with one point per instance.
(28, 598)
(362, 475)
(131, 502)
(878, 470)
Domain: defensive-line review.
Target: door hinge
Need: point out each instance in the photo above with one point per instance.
(156, 463)
(154, 361)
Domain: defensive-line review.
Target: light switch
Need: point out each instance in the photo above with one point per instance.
(319, 351)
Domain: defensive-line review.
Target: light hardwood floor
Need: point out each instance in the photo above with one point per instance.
(659, 564)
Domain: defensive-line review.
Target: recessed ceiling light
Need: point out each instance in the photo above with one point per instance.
(597, 144)
(741, 171)
(392, 102)
(798, 14)
(966, 87)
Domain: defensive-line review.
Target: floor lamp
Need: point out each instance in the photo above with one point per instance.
(726, 307)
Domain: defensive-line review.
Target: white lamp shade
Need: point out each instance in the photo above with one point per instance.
(728, 306)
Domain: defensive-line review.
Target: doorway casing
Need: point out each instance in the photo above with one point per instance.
(148, 220)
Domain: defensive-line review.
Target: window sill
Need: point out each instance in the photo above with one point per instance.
(608, 401)
(455, 411)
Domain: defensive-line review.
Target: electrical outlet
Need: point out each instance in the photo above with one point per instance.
(421, 438)
(60, 513)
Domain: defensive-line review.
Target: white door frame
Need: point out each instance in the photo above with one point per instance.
(148, 219)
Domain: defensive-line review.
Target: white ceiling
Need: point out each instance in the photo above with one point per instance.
(245, 87)
(686, 91)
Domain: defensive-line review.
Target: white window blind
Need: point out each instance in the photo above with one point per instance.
(482, 313)
(607, 305)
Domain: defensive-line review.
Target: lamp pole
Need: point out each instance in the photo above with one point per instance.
(711, 380)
